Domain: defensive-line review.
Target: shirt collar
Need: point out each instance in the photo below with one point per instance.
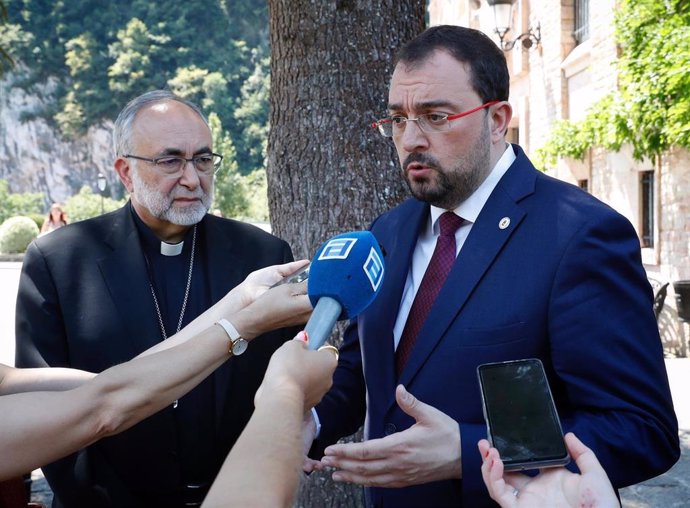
(472, 206)
(152, 244)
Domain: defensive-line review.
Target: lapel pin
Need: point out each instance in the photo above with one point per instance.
(504, 222)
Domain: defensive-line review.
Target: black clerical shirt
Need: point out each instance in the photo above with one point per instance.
(195, 412)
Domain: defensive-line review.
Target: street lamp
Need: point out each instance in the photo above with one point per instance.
(503, 15)
(102, 184)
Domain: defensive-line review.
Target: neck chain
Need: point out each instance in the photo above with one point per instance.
(186, 292)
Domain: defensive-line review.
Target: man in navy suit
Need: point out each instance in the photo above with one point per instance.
(542, 270)
(99, 292)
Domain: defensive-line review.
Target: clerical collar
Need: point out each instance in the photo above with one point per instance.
(171, 249)
(152, 244)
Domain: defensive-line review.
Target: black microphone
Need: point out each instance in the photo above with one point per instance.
(344, 278)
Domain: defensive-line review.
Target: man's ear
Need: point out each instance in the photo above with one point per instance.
(501, 114)
(124, 169)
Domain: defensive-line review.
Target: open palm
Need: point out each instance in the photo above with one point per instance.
(552, 487)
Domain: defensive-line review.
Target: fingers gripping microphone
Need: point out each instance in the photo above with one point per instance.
(344, 278)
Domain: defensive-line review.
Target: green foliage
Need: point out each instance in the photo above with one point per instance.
(252, 115)
(138, 55)
(237, 195)
(16, 233)
(566, 140)
(257, 196)
(650, 109)
(86, 204)
(104, 53)
(28, 203)
(38, 218)
(6, 61)
(230, 192)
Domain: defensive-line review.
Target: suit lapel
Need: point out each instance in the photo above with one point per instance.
(397, 238)
(131, 295)
(499, 219)
(226, 267)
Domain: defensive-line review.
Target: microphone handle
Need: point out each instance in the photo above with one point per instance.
(322, 321)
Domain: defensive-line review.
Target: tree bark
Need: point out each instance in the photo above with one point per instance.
(331, 61)
(328, 172)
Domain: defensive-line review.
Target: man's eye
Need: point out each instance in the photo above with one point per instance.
(204, 159)
(436, 118)
(168, 161)
(398, 120)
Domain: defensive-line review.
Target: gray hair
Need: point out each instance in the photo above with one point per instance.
(122, 132)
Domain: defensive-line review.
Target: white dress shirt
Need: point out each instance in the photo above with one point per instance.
(468, 210)
(426, 242)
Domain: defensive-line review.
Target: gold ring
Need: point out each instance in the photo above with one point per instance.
(332, 349)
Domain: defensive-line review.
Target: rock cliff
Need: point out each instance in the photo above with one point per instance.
(33, 156)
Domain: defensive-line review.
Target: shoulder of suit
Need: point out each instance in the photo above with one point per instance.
(237, 227)
(81, 233)
(409, 206)
(566, 202)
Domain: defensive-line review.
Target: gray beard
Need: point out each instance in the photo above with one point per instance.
(160, 205)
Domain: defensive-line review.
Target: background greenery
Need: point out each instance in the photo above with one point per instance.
(102, 54)
(215, 52)
(650, 110)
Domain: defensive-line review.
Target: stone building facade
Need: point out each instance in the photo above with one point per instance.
(572, 67)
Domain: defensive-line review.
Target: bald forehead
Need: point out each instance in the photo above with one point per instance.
(166, 108)
(171, 127)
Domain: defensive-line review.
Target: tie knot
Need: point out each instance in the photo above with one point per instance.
(449, 223)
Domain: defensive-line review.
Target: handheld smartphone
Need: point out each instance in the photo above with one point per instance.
(520, 415)
(298, 276)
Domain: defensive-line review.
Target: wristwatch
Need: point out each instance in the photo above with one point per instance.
(238, 345)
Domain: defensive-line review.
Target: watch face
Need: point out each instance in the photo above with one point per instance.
(239, 346)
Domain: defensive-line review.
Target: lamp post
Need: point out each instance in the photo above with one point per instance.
(102, 184)
(503, 15)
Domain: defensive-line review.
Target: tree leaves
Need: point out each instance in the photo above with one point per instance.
(102, 54)
(650, 109)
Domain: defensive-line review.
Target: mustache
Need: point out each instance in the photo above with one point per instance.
(420, 158)
(183, 192)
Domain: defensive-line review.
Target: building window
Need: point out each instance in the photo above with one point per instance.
(647, 207)
(583, 184)
(581, 29)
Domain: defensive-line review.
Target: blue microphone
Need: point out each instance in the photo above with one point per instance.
(344, 278)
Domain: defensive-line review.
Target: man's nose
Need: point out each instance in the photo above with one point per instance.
(190, 176)
(413, 137)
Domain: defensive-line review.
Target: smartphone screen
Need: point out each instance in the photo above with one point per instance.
(521, 416)
(298, 276)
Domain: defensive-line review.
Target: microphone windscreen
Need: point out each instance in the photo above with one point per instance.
(348, 268)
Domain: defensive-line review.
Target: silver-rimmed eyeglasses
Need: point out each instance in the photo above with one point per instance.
(173, 165)
(427, 122)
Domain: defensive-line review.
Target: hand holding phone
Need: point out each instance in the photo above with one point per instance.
(521, 416)
(298, 276)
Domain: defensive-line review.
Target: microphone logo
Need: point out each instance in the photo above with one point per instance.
(345, 276)
(340, 248)
(373, 267)
(337, 248)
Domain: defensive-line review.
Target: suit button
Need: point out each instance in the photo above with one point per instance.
(390, 428)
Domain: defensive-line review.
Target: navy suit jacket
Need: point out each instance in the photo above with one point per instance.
(84, 301)
(564, 283)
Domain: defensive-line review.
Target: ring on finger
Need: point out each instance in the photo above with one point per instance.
(332, 349)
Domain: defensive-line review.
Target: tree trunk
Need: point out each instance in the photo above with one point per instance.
(328, 171)
(331, 61)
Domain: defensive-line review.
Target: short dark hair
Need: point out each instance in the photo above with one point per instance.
(488, 69)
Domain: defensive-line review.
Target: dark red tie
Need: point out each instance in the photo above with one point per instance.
(439, 267)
